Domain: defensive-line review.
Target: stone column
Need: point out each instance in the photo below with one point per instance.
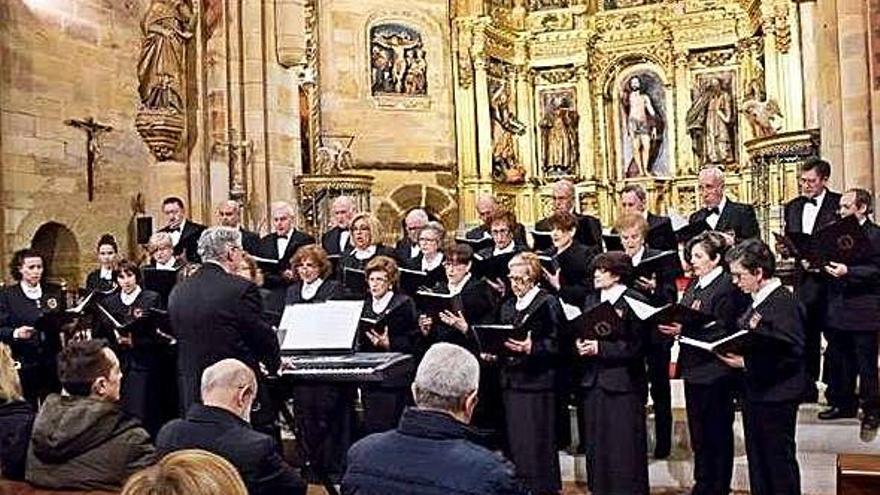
(524, 91)
(586, 161)
(484, 120)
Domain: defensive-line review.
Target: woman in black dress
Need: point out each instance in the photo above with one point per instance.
(614, 383)
(773, 369)
(103, 278)
(35, 343)
(366, 236)
(430, 258)
(144, 354)
(528, 377)
(389, 324)
(571, 280)
(709, 384)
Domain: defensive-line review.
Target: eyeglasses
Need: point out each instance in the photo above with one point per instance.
(362, 228)
(500, 231)
(518, 278)
(427, 239)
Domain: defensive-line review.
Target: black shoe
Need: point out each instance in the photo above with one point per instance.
(835, 412)
(870, 423)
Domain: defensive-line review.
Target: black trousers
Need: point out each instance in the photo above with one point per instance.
(851, 355)
(814, 327)
(710, 413)
(325, 417)
(770, 447)
(531, 435)
(658, 377)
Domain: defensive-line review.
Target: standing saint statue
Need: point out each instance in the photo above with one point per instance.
(641, 124)
(560, 137)
(167, 26)
(505, 165)
(709, 122)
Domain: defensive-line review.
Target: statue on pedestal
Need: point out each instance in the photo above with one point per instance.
(505, 164)
(560, 135)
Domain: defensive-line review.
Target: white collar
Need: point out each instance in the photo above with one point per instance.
(427, 266)
(106, 273)
(414, 250)
(820, 197)
(309, 289)
(509, 249)
(34, 293)
(455, 289)
(166, 266)
(363, 254)
(759, 297)
(707, 279)
(128, 299)
(381, 304)
(721, 205)
(612, 294)
(637, 258)
(863, 220)
(527, 298)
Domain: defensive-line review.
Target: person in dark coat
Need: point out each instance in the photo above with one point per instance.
(570, 282)
(408, 246)
(528, 377)
(491, 261)
(216, 315)
(103, 279)
(337, 240)
(16, 419)
(21, 307)
(709, 385)
(229, 215)
(281, 245)
(721, 213)
(660, 235)
(324, 413)
(773, 370)
(389, 324)
(815, 208)
(613, 382)
(487, 208)
(430, 258)
(366, 235)
(589, 228)
(854, 302)
(184, 233)
(432, 451)
(220, 425)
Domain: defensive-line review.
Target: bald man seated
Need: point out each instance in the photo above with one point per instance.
(220, 424)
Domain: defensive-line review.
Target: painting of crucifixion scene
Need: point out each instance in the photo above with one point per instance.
(643, 120)
(398, 61)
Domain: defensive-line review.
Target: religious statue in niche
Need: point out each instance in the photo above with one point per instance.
(711, 119)
(397, 58)
(505, 163)
(559, 132)
(167, 26)
(763, 114)
(643, 125)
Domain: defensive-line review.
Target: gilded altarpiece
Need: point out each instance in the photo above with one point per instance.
(611, 93)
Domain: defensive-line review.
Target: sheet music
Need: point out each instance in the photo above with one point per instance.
(110, 317)
(330, 325)
(642, 310)
(82, 304)
(571, 311)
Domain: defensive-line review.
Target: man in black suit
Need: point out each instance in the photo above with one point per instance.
(221, 425)
(634, 199)
(589, 229)
(407, 248)
(854, 302)
(229, 215)
(814, 209)
(281, 245)
(487, 206)
(184, 233)
(216, 314)
(337, 240)
(721, 213)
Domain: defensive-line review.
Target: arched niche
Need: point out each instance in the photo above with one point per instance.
(437, 201)
(60, 251)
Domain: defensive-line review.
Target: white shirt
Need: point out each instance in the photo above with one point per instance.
(527, 298)
(712, 219)
(758, 297)
(309, 289)
(106, 273)
(33, 293)
(175, 234)
(414, 251)
(612, 294)
(509, 249)
(455, 289)
(344, 236)
(710, 277)
(637, 258)
(363, 254)
(128, 299)
(169, 265)
(381, 304)
(427, 266)
(281, 243)
(811, 211)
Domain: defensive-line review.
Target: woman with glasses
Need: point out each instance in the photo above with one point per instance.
(366, 240)
(388, 324)
(528, 376)
(102, 279)
(492, 261)
(773, 369)
(430, 257)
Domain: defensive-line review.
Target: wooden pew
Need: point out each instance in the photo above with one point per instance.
(858, 474)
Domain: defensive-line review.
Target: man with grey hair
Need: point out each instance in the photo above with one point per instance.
(229, 215)
(220, 424)
(215, 314)
(720, 213)
(337, 240)
(281, 244)
(431, 451)
(487, 205)
(407, 248)
(589, 228)
(634, 200)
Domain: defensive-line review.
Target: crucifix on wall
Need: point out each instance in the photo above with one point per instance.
(93, 130)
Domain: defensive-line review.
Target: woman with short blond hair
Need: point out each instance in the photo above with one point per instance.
(187, 472)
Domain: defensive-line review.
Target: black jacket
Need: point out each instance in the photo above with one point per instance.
(574, 277)
(142, 343)
(17, 310)
(188, 245)
(430, 453)
(399, 317)
(16, 422)
(330, 241)
(660, 233)
(95, 282)
(588, 233)
(480, 231)
(329, 289)
(217, 315)
(250, 241)
(854, 299)
(478, 307)
(253, 454)
(403, 250)
(269, 249)
(543, 318)
(357, 290)
(737, 217)
(794, 212)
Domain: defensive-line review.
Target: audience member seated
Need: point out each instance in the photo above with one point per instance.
(16, 419)
(187, 472)
(221, 425)
(431, 451)
(82, 440)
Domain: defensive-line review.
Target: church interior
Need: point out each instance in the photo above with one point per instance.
(109, 106)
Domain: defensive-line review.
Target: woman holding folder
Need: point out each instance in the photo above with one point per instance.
(528, 376)
(366, 236)
(709, 384)
(613, 382)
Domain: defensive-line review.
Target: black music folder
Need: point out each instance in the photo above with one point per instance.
(612, 242)
(734, 343)
(491, 338)
(412, 280)
(158, 280)
(478, 243)
(843, 241)
(599, 323)
(670, 313)
(493, 267)
(798, 245)
(542, 239)
(143, 325)
(691, 230)
(355, 281)
(664, 263)
(433, 303)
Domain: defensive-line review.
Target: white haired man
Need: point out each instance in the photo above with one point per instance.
(281, 245)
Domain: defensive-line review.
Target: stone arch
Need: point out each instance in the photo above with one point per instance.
(437, 201)
(60, 251)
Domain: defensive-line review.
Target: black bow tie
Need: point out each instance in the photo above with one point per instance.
(283, 236)
(173, 229)
(812, 201)
(714, 210)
